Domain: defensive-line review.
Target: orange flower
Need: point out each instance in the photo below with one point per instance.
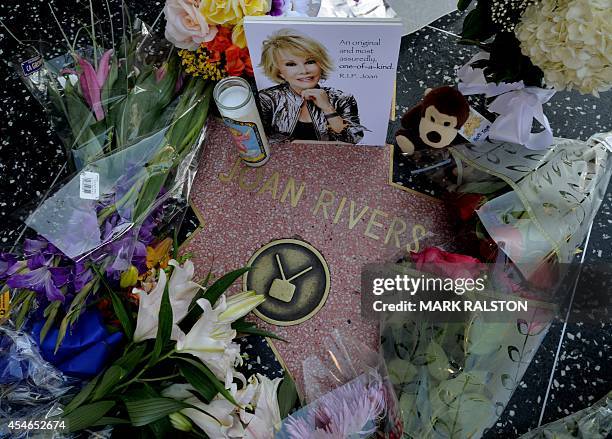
(160, 254)
(233, 64)
(222, 40)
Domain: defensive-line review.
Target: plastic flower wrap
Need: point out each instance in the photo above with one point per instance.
(29, 385)
(540, 204)
(348, 395)
(593, 422)
(454, 373)
(571, 41)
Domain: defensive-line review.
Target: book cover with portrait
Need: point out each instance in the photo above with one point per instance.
(325, 79)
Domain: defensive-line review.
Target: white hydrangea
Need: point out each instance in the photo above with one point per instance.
(571, 41)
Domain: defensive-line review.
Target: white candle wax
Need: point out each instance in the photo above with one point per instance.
(236, 102)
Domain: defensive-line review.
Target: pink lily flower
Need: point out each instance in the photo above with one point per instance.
(160, 73)
(92, 82)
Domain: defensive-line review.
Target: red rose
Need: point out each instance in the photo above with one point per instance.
(466, 205)
(454, 265)
(488, 249)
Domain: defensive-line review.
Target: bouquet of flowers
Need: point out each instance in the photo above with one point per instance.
(211, 34)
(563, 44)
(536, 207)
(454, 376)
(348, 395)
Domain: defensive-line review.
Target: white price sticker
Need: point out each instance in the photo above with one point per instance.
(90, 185)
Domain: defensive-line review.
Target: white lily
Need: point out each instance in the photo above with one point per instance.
(239, 305)
(148, 309)
(181, 291)
(262, 423)
(220, 419)
(211, 337)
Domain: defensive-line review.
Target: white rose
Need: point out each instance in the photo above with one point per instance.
(186, 27)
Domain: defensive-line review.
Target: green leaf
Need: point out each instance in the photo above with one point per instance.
(24, 309)
(129, 361)
(211, 294)
(162, 428)
(108, 85)
(287, 396)
(241, 324)
(145, 411)
(82, 396)
(215, 291)
(211, 376)
(109, 380)
(164, 328)
(477, 24)
(262, 333)
(85, 416)
(109, 420)
(462, 5)
(198, 380)
(122, 315)
(50, 313)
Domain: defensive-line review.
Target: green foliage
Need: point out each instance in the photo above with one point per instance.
(122, 315)
(462, 5)
(211, 294)
(203, 385)
(244, 327)
(218, 385)
(506, 63)
(287, 396)
(164, 328)
(148, 410)
(86, 415)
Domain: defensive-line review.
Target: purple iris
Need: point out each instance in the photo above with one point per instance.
(81, 276)
(44, 280)
(277, 7)
(8, 265)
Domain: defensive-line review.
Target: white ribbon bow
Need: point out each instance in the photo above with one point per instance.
(516, 105)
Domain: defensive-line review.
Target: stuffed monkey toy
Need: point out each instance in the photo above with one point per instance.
(434, 122)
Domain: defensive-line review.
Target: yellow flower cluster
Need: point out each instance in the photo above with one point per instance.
(232, 11)
(198, 64)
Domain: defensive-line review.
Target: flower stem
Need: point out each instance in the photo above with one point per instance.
(144, 369)
(167, 377)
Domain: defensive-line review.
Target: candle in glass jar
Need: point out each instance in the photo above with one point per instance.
(236, 104)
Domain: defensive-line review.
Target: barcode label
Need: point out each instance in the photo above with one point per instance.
(4, 305)
(90, 186)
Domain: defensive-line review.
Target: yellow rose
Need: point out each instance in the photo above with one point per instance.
(256, 7)
(232, 11)
(221, 11)
(238, 37)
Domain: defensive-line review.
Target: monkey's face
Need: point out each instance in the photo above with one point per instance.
(437, 129)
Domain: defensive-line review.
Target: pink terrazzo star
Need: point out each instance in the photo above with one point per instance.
(337, 198)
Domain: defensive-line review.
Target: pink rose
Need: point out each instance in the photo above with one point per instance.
(454, 265)
(185, 25)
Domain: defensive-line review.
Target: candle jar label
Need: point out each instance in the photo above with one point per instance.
(247, 139)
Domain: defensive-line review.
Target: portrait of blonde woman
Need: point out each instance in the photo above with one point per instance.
(299, 107)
